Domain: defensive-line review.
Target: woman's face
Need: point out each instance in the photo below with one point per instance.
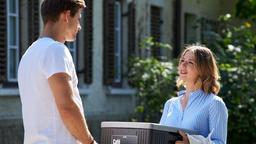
(187, 68)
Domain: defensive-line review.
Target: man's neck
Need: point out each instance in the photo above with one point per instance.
(52, 30)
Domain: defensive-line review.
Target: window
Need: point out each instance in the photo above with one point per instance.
(131, 29)
(13, 39)
(33, 20)
(3, 42)
(72, 48)
(191, 28)
(208, 29)
(155, 29)
(112, 67)
(117, 14)
(118, 65)
(88, 42)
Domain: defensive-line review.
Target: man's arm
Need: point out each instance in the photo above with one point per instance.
(61, 86)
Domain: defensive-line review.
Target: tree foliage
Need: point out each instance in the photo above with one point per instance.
(235, 48)
(245, 9)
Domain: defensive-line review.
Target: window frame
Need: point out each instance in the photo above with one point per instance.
(9, 45)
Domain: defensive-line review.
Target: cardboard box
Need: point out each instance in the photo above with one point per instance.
(139, 133)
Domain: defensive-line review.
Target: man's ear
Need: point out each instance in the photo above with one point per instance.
(66, 15)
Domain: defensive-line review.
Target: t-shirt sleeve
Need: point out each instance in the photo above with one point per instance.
(57, 59)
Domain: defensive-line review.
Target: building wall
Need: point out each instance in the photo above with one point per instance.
(11, 127)
(209, 9)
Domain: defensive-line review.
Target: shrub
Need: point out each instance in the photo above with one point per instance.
(154, 81)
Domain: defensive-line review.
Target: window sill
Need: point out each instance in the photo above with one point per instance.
(15, 91)
(9, 92)
(120, 91)
(84, 91)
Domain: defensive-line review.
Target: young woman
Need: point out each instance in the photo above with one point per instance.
(198, 107)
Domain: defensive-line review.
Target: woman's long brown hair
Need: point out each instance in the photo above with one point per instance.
(207, 68)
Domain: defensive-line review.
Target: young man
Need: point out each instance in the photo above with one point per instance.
(51, 105)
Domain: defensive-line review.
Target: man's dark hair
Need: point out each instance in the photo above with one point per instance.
(51, 9)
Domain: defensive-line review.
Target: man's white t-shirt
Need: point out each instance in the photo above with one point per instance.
(42, 122)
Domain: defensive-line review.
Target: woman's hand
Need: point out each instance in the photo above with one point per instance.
(184, 139)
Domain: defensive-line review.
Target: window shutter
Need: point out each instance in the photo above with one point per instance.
(132, 29)
(177, 6)
(109, 41)
(3, 41)
(88, 38)
(156, 29)
(33, 16)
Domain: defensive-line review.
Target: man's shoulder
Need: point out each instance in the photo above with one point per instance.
(45, 42)
(48, 46)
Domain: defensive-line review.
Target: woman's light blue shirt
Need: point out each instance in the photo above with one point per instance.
(204, 113)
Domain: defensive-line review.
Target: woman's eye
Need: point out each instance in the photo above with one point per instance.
(191, 63)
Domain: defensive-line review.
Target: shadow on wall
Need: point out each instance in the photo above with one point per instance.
(11, 131)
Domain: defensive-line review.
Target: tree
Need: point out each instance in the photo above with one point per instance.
(245, 9)
(235, 48)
